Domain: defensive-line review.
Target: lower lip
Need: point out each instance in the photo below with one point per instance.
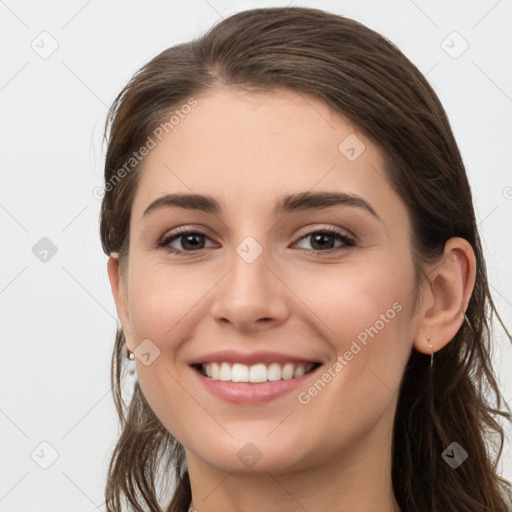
(240, 392)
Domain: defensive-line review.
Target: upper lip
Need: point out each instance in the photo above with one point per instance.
(250, 358)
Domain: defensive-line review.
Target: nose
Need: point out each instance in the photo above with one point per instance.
(252, 296)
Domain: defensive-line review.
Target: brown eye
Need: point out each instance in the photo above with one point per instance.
(184, 241)
(322, 241)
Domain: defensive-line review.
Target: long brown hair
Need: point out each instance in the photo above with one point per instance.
(363, 76)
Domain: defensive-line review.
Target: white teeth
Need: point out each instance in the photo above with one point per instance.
(287, 372)
(225, 372)
(274, 372)
(299, 372)
(256, 373)
(240, 373)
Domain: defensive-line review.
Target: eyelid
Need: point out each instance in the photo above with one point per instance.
(165, 240)
(308, 230)
(348, 240)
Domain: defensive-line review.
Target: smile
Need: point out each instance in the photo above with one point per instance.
(256, 373)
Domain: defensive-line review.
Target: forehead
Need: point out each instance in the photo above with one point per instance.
(248, 148)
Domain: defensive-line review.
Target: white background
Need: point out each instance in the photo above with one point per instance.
(57, 317)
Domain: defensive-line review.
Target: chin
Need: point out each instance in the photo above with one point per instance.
(250, 455)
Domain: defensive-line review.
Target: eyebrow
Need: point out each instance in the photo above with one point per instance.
(285, 204)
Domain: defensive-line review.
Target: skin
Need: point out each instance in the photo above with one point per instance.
(246, 150)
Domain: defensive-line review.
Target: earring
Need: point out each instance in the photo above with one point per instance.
(431, 352)
(466, 319)
(130, 355)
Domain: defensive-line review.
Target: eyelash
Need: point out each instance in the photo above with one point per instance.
(348, 242)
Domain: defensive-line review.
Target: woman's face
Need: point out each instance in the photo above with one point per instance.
(276, 279)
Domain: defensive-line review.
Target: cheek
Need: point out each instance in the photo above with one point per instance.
(364, 313)
(357, 300)
(168, 400)
(161, 298)
(160, 301)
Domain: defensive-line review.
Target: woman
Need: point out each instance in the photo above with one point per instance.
(297, 270)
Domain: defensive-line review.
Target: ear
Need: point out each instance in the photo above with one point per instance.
(451, 285)
(119, 292)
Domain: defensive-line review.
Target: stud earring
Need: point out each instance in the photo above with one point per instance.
(431, 352)
(130, 355)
